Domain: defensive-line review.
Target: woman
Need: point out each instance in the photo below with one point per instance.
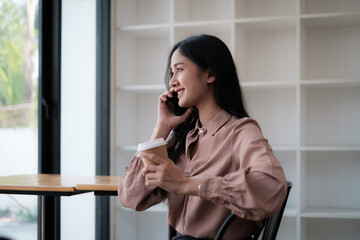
(220, 161)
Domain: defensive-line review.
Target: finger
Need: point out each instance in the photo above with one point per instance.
(152, 179)
(151, 176)
(154, 183)
(151, 168)
(170, 93)
(163, 97)
(166, 94)
(144, 171)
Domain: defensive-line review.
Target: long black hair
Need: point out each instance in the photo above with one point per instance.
(207, 52)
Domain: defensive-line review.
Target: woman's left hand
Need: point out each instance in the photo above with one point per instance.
(166, 175)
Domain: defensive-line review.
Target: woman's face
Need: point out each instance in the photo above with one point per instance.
(189, 81)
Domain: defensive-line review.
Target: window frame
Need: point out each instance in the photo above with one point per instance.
(49, 113)
(103, 83)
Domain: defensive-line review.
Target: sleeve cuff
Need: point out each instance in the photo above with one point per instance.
(210, 187)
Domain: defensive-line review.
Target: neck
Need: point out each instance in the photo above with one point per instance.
(208, 111)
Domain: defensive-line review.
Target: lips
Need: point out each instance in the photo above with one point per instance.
(179, 91)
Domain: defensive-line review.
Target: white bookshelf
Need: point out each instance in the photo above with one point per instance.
(299, 66)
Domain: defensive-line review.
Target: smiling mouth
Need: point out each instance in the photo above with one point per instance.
(180, 91)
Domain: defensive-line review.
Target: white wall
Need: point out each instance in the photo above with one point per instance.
(78, 113)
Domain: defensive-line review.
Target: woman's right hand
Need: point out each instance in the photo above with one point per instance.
(167, 120)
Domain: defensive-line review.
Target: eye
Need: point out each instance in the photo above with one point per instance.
(179, 69)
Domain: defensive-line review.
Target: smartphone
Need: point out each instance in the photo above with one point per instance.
(173, 105)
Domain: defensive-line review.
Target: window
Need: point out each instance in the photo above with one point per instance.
(18, 112)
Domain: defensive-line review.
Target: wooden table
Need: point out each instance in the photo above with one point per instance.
(53, 186)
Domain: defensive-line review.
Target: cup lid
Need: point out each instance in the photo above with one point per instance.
(151, 144)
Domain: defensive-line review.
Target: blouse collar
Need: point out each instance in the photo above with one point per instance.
(211, 127)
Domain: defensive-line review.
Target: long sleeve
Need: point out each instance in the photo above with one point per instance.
(132, 191)
(258, 188)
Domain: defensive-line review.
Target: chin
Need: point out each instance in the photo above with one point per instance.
(182, 104)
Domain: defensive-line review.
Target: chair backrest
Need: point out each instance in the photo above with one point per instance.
(271, 224)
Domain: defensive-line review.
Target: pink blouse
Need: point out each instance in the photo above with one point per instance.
(239, 174)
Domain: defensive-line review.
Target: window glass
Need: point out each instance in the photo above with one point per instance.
(18, 112)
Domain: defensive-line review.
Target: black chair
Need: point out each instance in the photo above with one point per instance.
(270, 227)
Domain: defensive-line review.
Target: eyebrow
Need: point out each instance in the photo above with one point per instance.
(176, 64)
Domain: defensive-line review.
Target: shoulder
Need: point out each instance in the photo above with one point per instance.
(243, 124)
(245, 130)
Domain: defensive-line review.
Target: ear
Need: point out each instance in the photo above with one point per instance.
(211, 78)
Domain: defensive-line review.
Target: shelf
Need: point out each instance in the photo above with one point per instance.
(268, 85)
(208, 25)
(329, 148)
(279, 148)
(326, 83)
(267, 23)
(322, 20)
(298, 63)
(290, 212)
(145, 31)
(159, 88)
(337, 213)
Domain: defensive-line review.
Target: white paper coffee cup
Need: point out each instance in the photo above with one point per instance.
(156, 146)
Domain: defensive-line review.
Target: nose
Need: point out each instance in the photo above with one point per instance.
(173, 82)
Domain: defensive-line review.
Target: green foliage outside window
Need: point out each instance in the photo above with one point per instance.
(18, 63)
